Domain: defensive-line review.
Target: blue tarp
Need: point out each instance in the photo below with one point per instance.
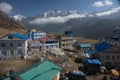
(80, 74)
(93, 61)
(89, 51)
(20, 36)
(103, 46)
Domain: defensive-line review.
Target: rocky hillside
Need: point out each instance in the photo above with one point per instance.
(8, 25)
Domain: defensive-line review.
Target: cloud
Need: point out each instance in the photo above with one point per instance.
(73, 15)
(109, 12)
(59, 19)
(108, 2)
(5, 7)
(98, 4)
(102, 3)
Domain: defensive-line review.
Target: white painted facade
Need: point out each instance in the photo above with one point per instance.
(50, 44)
(37, 35)
(15, 47)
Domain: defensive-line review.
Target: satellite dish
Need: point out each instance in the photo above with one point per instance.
(74, 40)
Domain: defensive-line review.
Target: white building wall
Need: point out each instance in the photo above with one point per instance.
(38, 35)
(58, 76)
(25, 48)
(0, 53)
(15, 48)
(54, 45)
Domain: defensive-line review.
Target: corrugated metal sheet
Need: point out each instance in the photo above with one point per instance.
(41, 71)
(93, 61)
(20, 36)
(103, 46)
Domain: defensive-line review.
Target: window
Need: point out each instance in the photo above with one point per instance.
(3, 45)
(4, 54)
(36, 35)
(113, 57)
(64, 40)
(47, 47)
(12, 52)
(118, 57)
(10, 37)
(51, 46)
(63, 44)
(19, 44)
(108, 63)
(11, 44)
(19, 52)
(56, 46)
(108, 57)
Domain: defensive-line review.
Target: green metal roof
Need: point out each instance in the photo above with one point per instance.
(41, 71)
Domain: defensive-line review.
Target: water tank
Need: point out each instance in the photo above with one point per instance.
(69, 33)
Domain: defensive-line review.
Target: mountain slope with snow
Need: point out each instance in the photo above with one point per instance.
(19, 17)
(8, 25)
(94, 25)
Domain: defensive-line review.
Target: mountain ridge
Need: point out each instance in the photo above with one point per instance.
(8, 25)
(95, 25)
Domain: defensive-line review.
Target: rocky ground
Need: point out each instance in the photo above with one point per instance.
(66, 62)
(16, 65)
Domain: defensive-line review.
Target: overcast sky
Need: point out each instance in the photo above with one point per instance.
(34, 7)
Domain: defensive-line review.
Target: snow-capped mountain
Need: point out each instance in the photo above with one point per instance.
(8, 25)
(94, 25)
(64, 14)
(60, 16)
(58, 13)
(19, 17)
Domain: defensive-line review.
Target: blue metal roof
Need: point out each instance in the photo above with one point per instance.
(20, 36)
(103, 46)
(69, 33)
(85, 45)
(93, 61)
